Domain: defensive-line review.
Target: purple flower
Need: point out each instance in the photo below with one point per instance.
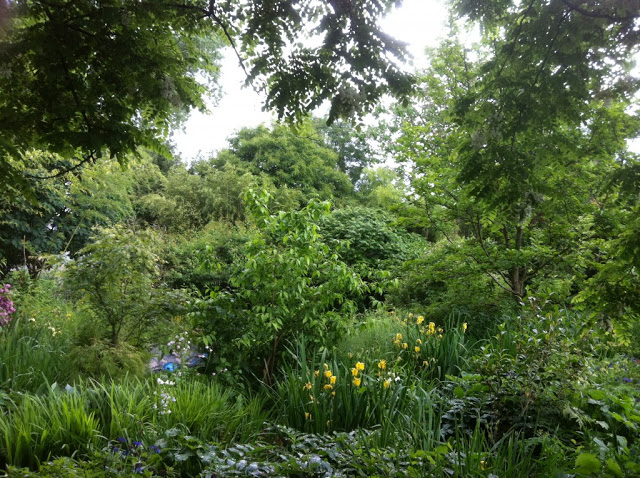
(155, 449)
(137, 443)
(122, 440)
(6, 305)
(627, 380)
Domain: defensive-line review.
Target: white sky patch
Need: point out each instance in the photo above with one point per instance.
(239, 107)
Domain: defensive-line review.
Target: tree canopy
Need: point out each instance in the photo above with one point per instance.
(85, 79)
(294, 160)
(510, 151)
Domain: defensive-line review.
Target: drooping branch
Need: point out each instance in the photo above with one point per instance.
(89, 157)
(211, 13)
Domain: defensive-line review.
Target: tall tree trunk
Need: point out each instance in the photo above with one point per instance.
(516, 277)
(517, 274)
(4, 15)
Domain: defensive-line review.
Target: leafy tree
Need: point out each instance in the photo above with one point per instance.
(381, 188)
(610, 290)
(547, 117)
(510, 152)
(288, 283)
(181, 254)
(191, 197)
(367, 240)
(351, 146)
(65, 212)
(83, 79)
(117, 275)
(292, 160)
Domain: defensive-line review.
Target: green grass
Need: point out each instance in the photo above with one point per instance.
(30, 356)
(34, 428)
(37, 428)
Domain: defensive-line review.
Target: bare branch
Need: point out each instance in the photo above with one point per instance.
(600, 14)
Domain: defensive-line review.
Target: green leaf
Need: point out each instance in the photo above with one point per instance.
(587, 463)
(618, 417)
(614, 468)
(597, 394)
(459, 392)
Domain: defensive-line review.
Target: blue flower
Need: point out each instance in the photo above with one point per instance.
(155, 449)
(137, 443)
(122, 440)
(169, 367)
(628, 380)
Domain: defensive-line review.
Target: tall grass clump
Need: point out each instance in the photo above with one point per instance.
(432, 351)
(37, 428)
(87, 416)
(429, 350)
(31, 354)
(319, 395)
(371, 338)
(477, 455)
(213, 413)
(34, 346)
(133, 409)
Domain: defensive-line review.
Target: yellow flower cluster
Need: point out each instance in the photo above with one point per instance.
(355, 371)
(328, 374)
(428, 331)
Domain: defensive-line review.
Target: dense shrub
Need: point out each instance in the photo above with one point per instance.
(287, 282)
(117, 276)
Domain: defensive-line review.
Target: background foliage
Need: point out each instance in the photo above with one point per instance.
(287, 306)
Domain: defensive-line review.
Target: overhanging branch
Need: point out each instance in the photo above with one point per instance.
(600, 14)
(90, 157)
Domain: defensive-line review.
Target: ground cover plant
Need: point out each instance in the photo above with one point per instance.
(285, 308)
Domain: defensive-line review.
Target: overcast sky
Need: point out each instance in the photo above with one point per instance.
(420, 23)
